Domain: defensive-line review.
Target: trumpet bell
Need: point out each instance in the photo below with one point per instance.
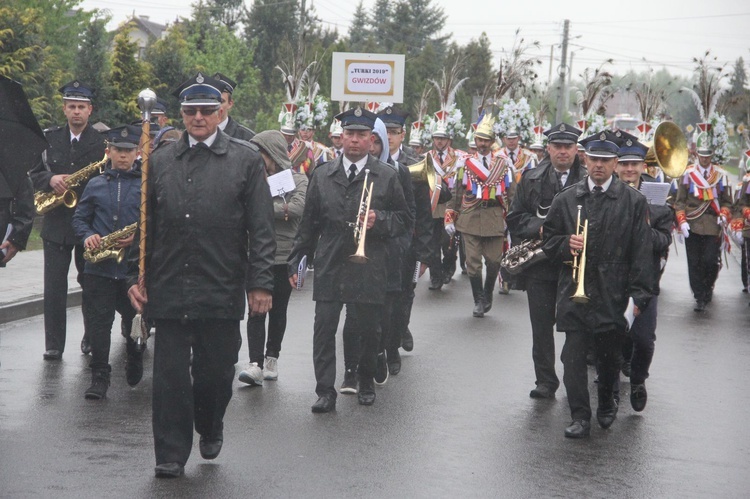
(670, 149)
(424, 171)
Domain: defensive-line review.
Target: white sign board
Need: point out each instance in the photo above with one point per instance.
(367, 77)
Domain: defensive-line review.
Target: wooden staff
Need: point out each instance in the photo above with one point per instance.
(146, 102)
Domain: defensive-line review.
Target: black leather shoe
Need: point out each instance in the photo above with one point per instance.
(479, 308)
(394, 362)
(436, 284)
(447, 278)
(325, 403)
(52, 355)
(134, 367)
(606, 417)
(210, 447)
(638, 397)
(85, 346)
(542, 392)
(366, 395)
(169, 470)
(407, 341)
(700, 306)
(579, 428)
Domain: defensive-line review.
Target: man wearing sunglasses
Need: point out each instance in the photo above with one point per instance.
(210, 248)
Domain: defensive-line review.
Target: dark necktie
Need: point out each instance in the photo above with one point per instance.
(484, 161)
(74, 142)
(512, 157)
(289, 148)
(705, 174)
(352, 172)
(559, 179)
(598, 190)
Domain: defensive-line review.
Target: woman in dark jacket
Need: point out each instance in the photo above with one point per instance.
(287, 209)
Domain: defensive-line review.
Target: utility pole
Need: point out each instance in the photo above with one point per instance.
(551, 60)
(301, 40)
(563, 88)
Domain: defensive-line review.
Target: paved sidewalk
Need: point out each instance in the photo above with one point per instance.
(22, 286)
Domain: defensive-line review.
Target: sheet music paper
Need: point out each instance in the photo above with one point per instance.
(655, 192)
(301, 272)
(630, 313)
(8, 232)
(281, 183)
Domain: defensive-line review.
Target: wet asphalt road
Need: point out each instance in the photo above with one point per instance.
(457, 421)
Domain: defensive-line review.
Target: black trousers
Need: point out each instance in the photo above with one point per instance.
(704, 258)
(178, 401)
(103, 297)
(745, 261)
(56, 266)
(542, 296)
(441, 243)
(402, 303)
(643, 336)
(256, 325)
(608, 347)
(367, 323)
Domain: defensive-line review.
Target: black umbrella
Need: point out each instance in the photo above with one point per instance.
(22, 140)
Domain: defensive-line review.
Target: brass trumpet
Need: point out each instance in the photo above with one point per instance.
(360, 225)
(46, 201)
(579, 262)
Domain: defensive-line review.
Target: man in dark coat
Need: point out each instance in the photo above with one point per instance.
(16, 211)
(617, 257)
(227, 124)
(333, 201)
(72, 147)
(528, 210)
(210, 248)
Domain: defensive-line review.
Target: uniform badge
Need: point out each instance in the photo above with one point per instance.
(603, 136)
(389, 111)
(124, 132)
(562, 127)
(199, 78)
(358, 112)
(629, 143)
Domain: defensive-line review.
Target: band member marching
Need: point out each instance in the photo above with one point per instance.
(482, 194)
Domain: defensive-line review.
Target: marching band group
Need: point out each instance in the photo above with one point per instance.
(587, 245)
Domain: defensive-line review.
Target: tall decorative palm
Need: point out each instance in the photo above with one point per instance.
(707, 89)
(596, 90)
(516, 74)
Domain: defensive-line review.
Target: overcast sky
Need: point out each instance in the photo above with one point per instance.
(628, 32)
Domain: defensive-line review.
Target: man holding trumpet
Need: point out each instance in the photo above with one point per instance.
(336, 195)
(611, 275)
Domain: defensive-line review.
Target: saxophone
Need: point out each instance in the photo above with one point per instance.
(45, 201)
(107, 248)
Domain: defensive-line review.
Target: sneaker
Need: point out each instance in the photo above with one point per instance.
(349, 386)
(381, 370)
(271, 369)
(253, 375)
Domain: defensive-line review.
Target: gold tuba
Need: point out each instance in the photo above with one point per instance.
(45, 201)
(424, 171)
(670, 149)
(360, 225)
(107, 245)
(579, 262)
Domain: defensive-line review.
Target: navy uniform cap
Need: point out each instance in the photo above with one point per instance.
(601, 145)
(562, 133)
(199, 90)
(357, 119)
(393, 117)
(77, 90)
(124, 137)
(160, 108)
(632, 150)
(227, 84)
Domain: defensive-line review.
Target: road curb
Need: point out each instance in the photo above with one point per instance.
(32, 306)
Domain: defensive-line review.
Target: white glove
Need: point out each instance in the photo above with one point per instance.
(721, 220)
(685, 229)
(450, 229)
(737, 236)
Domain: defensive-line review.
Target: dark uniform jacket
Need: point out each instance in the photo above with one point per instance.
(331, 203)
(420, 246)
(205, 206)
(398, 245)
(619, 255)
(530, 205)
(16, 209)
(110, 202)
(62, 158)
(234, 129)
